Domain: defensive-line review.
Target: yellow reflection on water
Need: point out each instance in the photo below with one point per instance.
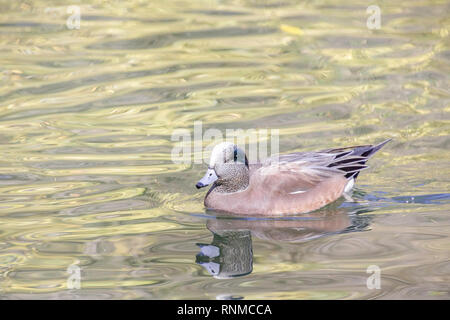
(86, 123)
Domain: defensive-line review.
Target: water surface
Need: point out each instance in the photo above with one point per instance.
(86, 119)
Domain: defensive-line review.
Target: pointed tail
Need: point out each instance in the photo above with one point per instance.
(352, 160)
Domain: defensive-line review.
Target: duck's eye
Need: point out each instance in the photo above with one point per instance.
(210, 174)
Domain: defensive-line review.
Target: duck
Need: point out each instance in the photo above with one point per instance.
(286, 184)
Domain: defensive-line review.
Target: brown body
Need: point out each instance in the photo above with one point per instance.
(271, 195)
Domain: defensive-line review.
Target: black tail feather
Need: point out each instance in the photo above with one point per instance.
(352, 160)
(370, 151)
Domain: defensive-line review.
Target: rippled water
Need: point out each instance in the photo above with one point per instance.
(86, 118)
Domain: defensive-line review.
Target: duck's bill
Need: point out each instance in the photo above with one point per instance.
(207, 179)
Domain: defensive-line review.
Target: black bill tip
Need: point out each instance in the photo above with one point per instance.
(199, 185)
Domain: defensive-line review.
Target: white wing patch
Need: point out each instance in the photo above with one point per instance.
(297, 192)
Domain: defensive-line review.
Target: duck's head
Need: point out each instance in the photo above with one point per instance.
(227, 163)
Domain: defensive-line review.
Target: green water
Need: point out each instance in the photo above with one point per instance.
(86, 121)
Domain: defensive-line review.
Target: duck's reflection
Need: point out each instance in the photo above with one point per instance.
(230, 253)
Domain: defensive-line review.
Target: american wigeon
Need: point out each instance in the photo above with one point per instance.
(287, 184)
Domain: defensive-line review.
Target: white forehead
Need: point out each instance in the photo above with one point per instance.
(222, 151)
